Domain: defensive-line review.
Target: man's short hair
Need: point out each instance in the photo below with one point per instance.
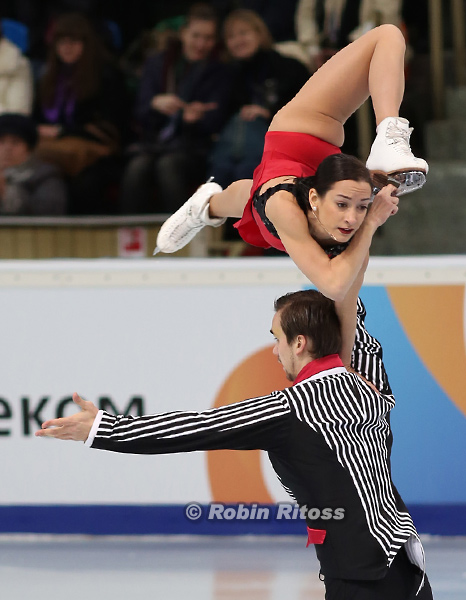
(313, 315)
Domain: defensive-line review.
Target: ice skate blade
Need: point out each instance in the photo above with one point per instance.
(405, 181)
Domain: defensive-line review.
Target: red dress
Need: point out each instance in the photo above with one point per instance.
(285, 153)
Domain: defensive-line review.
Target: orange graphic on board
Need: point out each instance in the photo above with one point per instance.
(433, 320)
(236, 476)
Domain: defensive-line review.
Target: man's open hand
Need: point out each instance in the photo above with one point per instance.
(76, 427)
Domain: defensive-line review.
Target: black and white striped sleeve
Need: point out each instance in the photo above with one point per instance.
(367, 357)
(257, 423)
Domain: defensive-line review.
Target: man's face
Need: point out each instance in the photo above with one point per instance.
(13, 151)
(282, 350)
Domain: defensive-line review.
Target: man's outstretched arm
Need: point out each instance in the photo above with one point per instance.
(256, 423)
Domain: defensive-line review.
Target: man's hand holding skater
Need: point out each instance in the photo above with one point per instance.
(76, 427)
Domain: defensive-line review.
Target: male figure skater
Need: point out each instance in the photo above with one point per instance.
(328, 438)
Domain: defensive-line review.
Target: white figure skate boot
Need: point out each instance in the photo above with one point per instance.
(391, 159)
(179, 229)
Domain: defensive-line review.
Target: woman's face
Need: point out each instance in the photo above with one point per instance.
(198, 39)
(340, 212)
(242, 40)
(69, 50)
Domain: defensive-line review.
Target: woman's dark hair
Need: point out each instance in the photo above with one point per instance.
(334, 168)
(85, 78)
(310, 313)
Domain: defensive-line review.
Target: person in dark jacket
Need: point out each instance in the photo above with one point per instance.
(28, 185)
(278, 14)
(264, 82)
(182, 102)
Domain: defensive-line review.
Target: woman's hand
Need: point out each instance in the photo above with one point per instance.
(385, 205)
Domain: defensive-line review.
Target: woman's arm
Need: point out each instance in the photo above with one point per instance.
(347, 311)
(333, 277)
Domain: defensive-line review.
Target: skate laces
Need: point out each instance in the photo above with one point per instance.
(399, 137)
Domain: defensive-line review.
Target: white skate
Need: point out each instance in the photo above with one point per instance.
(391, 159)
(179, 229)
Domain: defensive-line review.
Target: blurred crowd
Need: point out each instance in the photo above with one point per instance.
(113, 107)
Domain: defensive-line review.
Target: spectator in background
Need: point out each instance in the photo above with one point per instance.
(16, 84)
(278, 15)
(182, 102)
(81, 110)
(28, 186)
(39, 18)
(323, 27)
(264, 82)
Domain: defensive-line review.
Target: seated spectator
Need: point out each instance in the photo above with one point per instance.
(182, 102)
(16, 84)
(28, 186)
(278, 15)
(39, 18)
(81, 108)
(264, 82)
(323, 27)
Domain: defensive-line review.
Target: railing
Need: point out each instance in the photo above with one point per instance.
(76, 237)
(100, 237)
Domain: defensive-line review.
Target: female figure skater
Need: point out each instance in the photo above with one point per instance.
(306, 198)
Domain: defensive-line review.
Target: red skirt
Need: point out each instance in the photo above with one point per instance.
(285, 153)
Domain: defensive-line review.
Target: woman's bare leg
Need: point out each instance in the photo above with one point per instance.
(372, 65)
(231, 202)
